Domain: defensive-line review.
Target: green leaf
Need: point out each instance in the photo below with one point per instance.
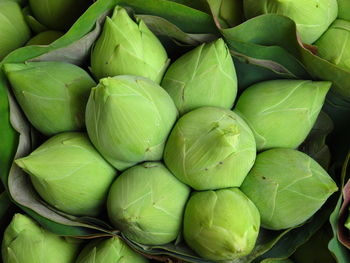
(228, 13)
(270, 41)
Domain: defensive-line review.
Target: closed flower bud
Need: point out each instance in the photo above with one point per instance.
(287, 187)
(26, 242)
(69, 174)
(221, 225)
(126, 47)
(334, 45)
(281, 113)
(53, 95)
(14, 32)
(146, 203)
(109, 250)
(312, 17)
(128, 120)
(58, 14)
(44, 38)
(205, 76)
(210, 148)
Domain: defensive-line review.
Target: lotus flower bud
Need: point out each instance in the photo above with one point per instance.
(146, 202)
(287, 187)
(110, 250)
(53, 95)
(312, 17)
(210, 148)
(69, 174)
(58, 14)
(14, 31)
(221, 225)
(45, 38)
(205, 76)
(25, 241)
(344, 9)
(334, 45)
(128, 119)
(126, 47)
(281, 113)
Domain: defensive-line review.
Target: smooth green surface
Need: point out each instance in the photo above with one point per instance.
(281, 113)
(146, 203)
(53, 95)
(44, 38)
(204, 76)
(221, 225)
(126, 47)
(25, 241)
(109, 250)
(70, 174)
(58, 14)
(344, 9)
(312, 17)
(210, 148)
(14, 32)
(288, 187)
(128, 119)
(334, 44)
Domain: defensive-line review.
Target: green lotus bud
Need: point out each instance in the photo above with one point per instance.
(58, 14)
(344, 9)
(312, 17)
(210, 148)
(128, 48)
(69, 174)
(128, 119)
(205, 76)
(146, 203)
(25, 241)
(221, 225)
(285, 112)
(14, 31)
(334, 45)
(110, 250)
(45, 38)
(53, 95)
(287, 186)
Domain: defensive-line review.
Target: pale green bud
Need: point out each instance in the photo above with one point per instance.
(312, 17)
(334, 45)
(210, 148)
(26, 242)
(44, 38)
(110, 250)
(287, 187)
(281, 113)
(221, 225)
(146, 203)
(58, 14)
(128, 119)
(205, 76)
(69, 174)
(126, 47)
(14, 32)
(53, 95)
